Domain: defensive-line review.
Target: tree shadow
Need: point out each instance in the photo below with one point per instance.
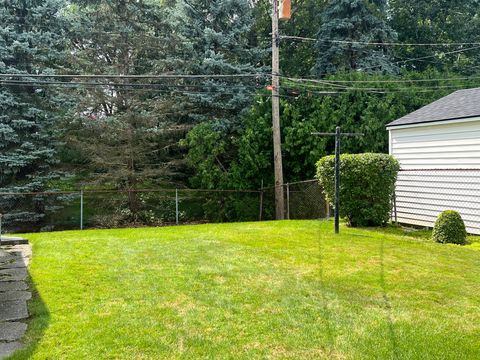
(387, 301)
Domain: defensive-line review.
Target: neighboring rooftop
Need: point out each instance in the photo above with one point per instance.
(461, 104)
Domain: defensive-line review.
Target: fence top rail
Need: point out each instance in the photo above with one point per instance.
(291, 183)
(442, 169)
(112, 191)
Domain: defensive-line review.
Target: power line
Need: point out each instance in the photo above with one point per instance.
(393, 81)
(157, 88)
(353, 42)
(234, 90)
(151, 76)
(116, 85)
(426, 57)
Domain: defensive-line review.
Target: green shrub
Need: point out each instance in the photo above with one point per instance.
(366, 186)
(450, 228)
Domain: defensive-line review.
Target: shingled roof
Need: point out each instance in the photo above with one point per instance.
(461, 104)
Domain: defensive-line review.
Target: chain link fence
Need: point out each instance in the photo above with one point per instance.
(422, 194)
(87, 209)
(304, 200)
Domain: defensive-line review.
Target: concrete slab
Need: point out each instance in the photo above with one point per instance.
(19, 250)
(13, 286)
(13, 310)
(14, 263)
(15, 295)
(7, 349)
(13, 274)
(12, 331)
(13, 240)
(5, 255)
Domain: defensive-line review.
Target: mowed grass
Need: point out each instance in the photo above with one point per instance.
(274, 290)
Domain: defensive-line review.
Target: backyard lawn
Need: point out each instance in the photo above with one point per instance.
(285, 290)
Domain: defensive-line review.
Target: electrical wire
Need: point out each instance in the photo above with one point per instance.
(353, 42)
(117, 85)
(151, 76)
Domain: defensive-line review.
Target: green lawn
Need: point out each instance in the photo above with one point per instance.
(276, 290)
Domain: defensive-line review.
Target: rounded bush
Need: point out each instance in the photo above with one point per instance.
(450, 228)
(366, 186)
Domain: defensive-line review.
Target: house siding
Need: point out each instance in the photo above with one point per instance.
(440, 170)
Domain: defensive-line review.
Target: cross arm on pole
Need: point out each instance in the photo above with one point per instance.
(334, 134)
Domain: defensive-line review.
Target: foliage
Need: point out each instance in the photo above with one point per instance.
(439, 21)
(201, 286)
(366, 187)
(217, 39)
(218, 45)
(297, 57)
(450, 228)
(31, 42)
(126, 137)
(244, 158)
(361, 21)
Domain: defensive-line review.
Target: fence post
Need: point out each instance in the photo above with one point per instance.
(81, 209)
(1, 229)
(176, 207)
(261, 203)
(288, 201)
(395, 207)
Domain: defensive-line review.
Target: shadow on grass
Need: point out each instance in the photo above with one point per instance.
(386, 300)
(38, 322)
(326, 312)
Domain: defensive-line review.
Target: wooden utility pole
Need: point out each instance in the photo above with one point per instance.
(338, 135)
(277, 137)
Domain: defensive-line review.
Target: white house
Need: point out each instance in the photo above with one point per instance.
(438, 147)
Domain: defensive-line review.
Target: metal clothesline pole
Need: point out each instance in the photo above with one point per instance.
(338, 134)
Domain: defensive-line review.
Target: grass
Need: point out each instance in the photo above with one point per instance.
(277, 290)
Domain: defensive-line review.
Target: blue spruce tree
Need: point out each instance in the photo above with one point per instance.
(219, 39)
(31, 42)
(347, 28)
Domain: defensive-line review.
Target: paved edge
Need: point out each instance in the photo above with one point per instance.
(15, 255)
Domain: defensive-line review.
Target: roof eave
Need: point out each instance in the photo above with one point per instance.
(434, 122)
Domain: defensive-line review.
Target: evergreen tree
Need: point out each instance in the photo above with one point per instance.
(358, 21)
(123, 127)
(31, 42)
(296, 55)
(440, 21)
(218, 37)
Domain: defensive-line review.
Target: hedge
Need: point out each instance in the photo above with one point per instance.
(366, 187)
(450, 228)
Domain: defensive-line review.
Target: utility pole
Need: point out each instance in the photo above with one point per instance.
(338, 135)
(277, 137)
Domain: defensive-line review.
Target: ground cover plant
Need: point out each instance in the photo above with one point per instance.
(286, 290)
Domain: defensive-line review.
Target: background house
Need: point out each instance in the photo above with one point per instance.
(438, 147)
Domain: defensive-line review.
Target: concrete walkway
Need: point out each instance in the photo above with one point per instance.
(15, 255)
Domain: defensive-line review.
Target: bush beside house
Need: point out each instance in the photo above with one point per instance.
(450, 228)
(366, 187)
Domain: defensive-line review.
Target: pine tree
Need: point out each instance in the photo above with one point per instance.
(360, 22)
(31, 42)
(123, 127)
(218, 40)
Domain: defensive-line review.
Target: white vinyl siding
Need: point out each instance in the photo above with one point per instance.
(440, 170)
(450, 146)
